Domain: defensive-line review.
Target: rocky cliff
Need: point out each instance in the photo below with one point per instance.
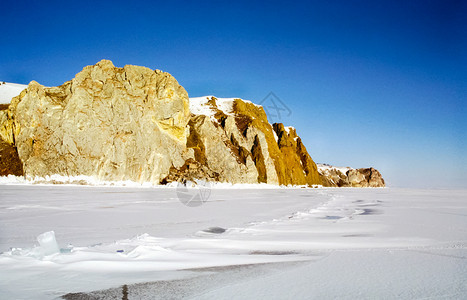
(137, 124)
(348, 177)
(233, 139)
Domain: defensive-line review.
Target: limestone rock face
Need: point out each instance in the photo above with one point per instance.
(348, 177)
(112, 123)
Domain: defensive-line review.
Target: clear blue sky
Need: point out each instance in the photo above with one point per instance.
(369, 83)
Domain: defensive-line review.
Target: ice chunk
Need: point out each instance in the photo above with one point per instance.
(48, 243)
(67, 249)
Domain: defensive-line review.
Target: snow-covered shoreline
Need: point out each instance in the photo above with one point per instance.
(89, 181)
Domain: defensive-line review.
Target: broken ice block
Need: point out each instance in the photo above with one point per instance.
(48, 243)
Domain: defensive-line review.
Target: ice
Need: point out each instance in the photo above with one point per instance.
(256, 242)
(48, 244)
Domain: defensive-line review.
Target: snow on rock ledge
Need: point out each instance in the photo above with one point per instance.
(10, 90)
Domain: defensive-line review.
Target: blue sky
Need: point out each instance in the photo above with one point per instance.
(369, 83)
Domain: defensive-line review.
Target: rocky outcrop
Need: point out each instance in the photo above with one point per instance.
(348, 177)
(112, 123)
(137, 124)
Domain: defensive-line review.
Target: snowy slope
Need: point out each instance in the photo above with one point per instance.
(10, 90)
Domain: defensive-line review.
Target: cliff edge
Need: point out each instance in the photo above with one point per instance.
(133, 123)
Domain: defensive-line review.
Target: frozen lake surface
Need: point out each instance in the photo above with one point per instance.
(143, 243)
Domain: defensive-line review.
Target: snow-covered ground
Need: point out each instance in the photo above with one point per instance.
(10, 90)
(267, 242)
